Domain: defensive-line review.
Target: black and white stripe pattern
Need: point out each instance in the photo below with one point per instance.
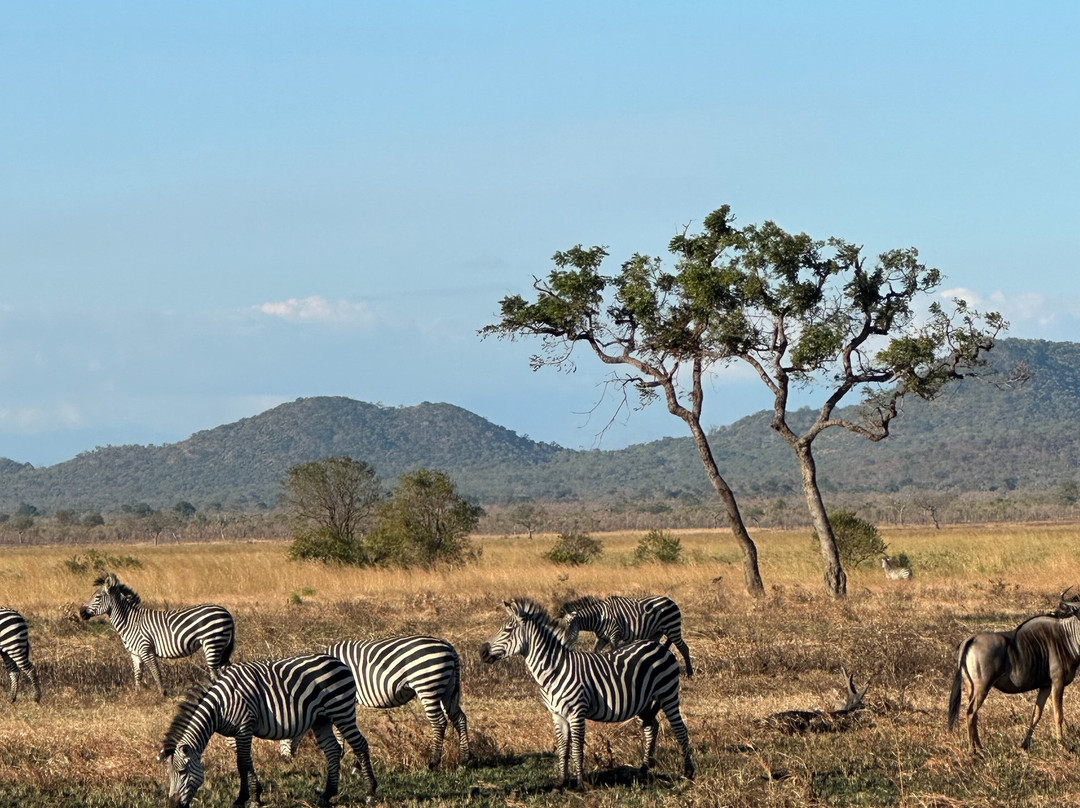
(276, 700)
(617, 620)
(638, 680)
(15, 652)
(151, 633)
(895, 573)
(391, 672)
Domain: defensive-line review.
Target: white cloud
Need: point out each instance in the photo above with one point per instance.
(31, 420)
(316, 309)
(1030, 314)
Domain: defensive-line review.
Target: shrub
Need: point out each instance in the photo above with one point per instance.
(98, 563)
(857, 540)
(323, 544)
(574, 548)
(660, 546)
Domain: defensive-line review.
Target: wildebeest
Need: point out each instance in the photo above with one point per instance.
(1042, 653)
(844, 715)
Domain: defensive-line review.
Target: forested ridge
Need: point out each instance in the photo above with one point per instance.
(977, 436)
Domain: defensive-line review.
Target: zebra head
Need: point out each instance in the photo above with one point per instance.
(513, 637)
(185, 774)
(106, 597)
(568, 628)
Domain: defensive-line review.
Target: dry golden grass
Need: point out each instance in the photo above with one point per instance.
(92, 740)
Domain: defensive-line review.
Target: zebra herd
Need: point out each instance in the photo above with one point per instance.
(284, 698)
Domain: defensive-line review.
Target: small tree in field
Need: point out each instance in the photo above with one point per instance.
(857, 540)
(330, 504)
(574, 548)
(660, 546)
(425, 523)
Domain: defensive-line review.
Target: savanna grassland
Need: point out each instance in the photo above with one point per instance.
(92, 741)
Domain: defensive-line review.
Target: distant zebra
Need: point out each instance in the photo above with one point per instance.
(151, 633)
(894, 573)
(276, 699)
(392, 671)
(15, 652)
(617, 620)
(637, 680)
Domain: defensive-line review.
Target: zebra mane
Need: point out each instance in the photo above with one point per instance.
(530, 610)
(122, 591)
(185, 709)
(578, 604)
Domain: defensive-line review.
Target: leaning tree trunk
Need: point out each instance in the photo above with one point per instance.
(835, 577)
(751, 573)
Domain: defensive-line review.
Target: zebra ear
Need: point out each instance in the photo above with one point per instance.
(111, 580)
(509, 608)
(163, 755)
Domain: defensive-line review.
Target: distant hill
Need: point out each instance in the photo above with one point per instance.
(975, 437)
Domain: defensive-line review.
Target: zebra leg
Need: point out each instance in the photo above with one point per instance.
(461, 724)
(246, 769)
(324, 736)
(674, 717)
(436, 717)
(358, 743)
(562, 741)
(137, 663)
(287, 748)
(13, 676)
(577, 747)
(31, 674)
(1040, 701)
(155, 671)
(649, 727)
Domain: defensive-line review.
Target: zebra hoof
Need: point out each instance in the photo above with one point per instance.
(689, 772)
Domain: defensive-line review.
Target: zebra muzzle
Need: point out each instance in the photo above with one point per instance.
(486, 655)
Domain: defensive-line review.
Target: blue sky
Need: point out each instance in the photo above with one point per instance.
(208, 209)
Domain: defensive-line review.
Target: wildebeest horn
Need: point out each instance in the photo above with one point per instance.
(1063, 594)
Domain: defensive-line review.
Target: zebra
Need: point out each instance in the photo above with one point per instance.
(616, 620)
(894, 573)
(151, 633)
(390, 672)
(274, 699)
(635, 681)
(15, 652)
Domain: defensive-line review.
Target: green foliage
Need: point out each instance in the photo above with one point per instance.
(660, 546)
(574, 548)
(184, 509)
(97, 563)
(857, 540)
(330, 502)
(425, 523)
(322, 544)
(93, 519)
(1067, 492)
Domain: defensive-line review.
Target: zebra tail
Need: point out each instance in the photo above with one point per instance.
(227, 655)
(954, 696)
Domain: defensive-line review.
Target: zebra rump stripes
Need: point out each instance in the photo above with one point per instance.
(617, 620)
(15, 652)
(391, 672)
(151, 633)
(275, 700)
(637, 680)
(894, 573)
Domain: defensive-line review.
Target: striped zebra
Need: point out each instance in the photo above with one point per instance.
(15, 652)
(894, 573)
(391, 672)
(617, 620)
(275, 699)
(637, 680)
(151, 633)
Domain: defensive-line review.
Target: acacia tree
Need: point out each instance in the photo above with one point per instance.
(815, 314)
(659, 331)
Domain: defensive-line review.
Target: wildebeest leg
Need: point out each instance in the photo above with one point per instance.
(1057, 688)
(979, 691)
(1036, 714)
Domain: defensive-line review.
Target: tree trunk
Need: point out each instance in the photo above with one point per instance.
(835, 577)
(751, 573)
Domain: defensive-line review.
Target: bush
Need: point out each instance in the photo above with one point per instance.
(660, 546)
(99, 563)
(322, 544)
(857, 540)
(574, 548)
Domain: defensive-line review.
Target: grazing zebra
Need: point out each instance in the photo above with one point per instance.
(15, 652)
(635, 681)
(617, 620)
(151, 633)
(392, 671)
(894, 573)
(276, 699)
